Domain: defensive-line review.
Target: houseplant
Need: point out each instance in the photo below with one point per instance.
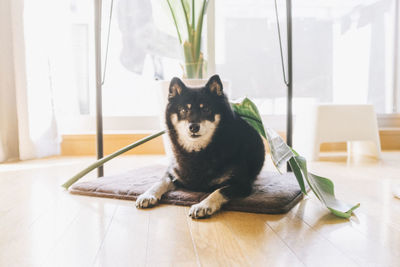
(188, 17)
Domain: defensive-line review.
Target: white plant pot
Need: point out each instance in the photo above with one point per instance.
(163, 90)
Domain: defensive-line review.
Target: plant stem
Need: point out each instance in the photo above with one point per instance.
(193, 16)
(176, 24)
(189, 29)
(197, 37)
(189, 62)
(101, 161)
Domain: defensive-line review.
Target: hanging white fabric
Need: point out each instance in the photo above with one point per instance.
(38, 70)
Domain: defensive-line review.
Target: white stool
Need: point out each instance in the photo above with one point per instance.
(327, 123)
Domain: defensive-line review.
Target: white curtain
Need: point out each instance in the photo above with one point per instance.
(34, 66)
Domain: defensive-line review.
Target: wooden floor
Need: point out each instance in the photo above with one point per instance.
(43, 225)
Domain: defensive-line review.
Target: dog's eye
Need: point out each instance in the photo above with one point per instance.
(205, 110)
(182, 110)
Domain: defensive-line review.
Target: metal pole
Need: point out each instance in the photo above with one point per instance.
(289, 119)
(99, 109)
(396, 61)
(211, 68)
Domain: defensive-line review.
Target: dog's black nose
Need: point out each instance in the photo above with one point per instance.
(194, 127)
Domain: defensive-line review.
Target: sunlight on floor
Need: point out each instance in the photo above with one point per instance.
(43, 225)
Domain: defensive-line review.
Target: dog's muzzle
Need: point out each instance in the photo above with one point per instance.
(194, 127)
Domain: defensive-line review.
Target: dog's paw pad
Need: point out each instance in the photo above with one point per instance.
(145, 201)
(201, 211)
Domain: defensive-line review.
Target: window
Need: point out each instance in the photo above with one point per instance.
(139, 53)
(344, 52)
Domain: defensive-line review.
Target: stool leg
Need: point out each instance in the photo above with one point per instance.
(315, 151)
(365, 148)
(377, 143)
(378, 149)
(350, 149)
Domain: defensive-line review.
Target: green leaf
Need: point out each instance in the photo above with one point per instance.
(325, 189)
(249, 112)
(302, 165)
(198, 31)
(281, 153)
(297, 173)
(322, 187)
(175, 21)
(186, 11)
(193, 15)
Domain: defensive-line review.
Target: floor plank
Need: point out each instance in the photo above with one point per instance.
(309, 246)
(258, 241)
(215, 243)
(127, 238)
(355, 245)
(169, 238)
(42, 225)
(81, 240)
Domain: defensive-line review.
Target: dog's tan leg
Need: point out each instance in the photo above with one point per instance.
(208, 206)
(154, 193)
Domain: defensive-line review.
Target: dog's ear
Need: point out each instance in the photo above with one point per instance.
(214, 84)
(176, 87)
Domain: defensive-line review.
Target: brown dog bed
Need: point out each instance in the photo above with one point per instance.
(272, 192)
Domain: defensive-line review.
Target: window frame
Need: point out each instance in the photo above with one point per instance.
(87, 123)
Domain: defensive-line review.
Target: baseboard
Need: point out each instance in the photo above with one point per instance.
(85, 144)
(389, 137)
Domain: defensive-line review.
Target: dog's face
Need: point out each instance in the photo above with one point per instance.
(195, 113)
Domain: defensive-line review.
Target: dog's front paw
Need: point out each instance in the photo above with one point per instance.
(145, 201)
(202, 210)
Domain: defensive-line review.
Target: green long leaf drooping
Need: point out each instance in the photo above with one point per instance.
(281, 153)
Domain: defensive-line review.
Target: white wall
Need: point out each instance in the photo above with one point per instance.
(8, 110)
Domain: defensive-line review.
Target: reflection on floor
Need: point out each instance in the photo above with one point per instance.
(42, 225)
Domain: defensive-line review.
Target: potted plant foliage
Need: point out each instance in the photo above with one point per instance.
(188, 18)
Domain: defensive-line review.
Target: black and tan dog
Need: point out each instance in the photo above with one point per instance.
(215, 150)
